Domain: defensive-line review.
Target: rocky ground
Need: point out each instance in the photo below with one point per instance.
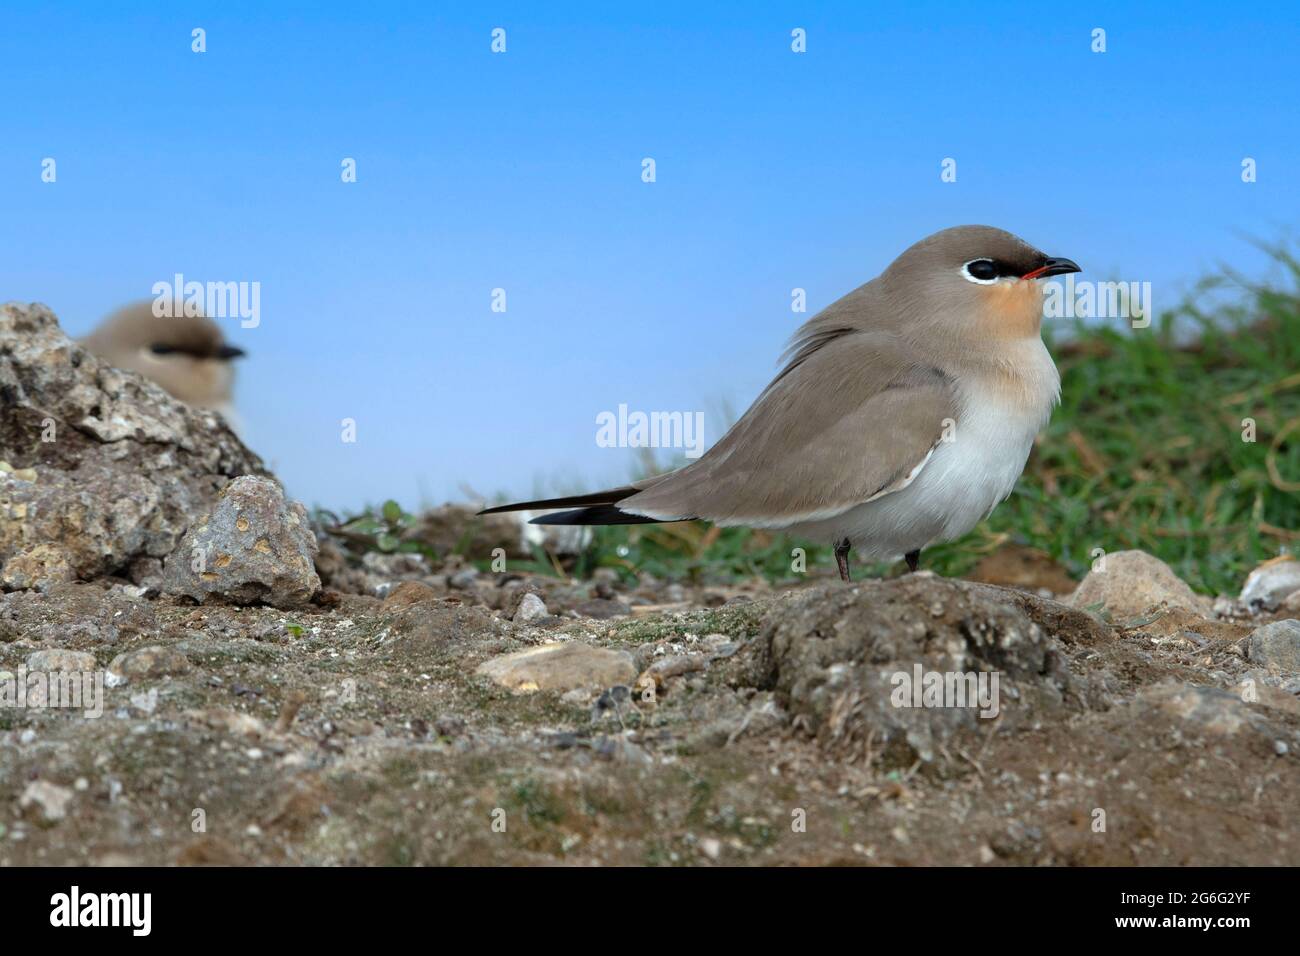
(270, 697)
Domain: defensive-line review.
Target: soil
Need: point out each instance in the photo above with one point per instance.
(356, 731)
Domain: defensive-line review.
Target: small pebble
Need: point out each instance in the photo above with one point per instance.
(531, 608)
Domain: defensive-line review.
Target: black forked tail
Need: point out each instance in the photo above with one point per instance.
(606, 497)
(595, 508)
(600, 514)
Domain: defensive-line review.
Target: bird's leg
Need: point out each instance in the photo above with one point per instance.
(842, 558)
(913, 559)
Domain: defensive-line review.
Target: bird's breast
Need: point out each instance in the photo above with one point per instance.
(1001, 412)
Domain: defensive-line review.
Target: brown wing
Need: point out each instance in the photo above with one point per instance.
(851, 421)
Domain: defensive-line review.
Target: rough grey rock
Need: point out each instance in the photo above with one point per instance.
(147, 663)
(1271, 583)
(560, 667)
(844, 661)
(1276, 645)
(1209, 710)
(1215, 710)
(254, 547)
(1131, 583)
(39, 566)
(531, 608)
(47, 802)
(60, 660)
(101, 466)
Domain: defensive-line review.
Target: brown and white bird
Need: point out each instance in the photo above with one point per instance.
(186, 355)
(903, 415)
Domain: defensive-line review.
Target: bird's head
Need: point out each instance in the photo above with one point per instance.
(973, 281)
(187, 355)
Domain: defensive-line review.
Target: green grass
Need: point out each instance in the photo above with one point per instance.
(1146, 451)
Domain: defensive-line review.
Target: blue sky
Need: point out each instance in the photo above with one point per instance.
(522, 171)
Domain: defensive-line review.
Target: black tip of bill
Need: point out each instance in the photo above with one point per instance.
(1053, 266)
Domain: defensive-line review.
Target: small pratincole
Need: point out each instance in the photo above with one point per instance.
(903, 415)
(185, 354)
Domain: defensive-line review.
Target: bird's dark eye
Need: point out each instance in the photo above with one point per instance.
(159, 348)
(984, 270)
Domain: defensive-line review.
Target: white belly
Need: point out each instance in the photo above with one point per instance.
(958, 487)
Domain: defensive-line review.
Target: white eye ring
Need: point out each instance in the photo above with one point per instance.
(965, 272)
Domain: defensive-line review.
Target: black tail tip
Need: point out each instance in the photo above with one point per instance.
(600, 514)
